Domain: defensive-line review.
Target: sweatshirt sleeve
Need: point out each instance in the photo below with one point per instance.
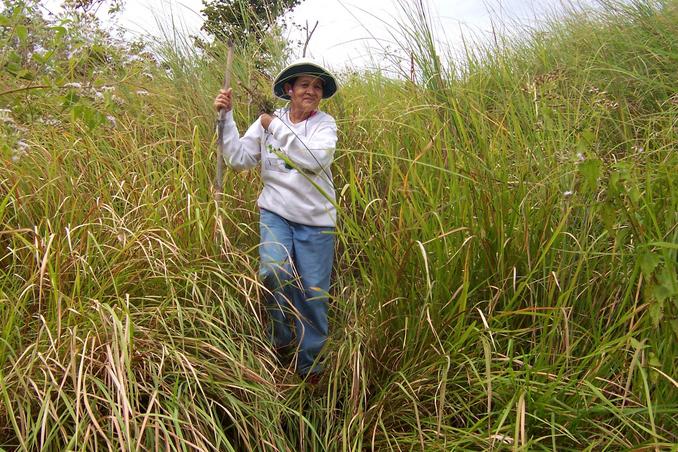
(314, 153)
(241, 153)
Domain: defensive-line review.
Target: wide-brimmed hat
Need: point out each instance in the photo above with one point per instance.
(304, 66)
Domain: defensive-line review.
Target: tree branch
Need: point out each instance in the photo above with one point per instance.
(308, 37)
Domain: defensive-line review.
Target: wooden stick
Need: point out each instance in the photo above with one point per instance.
(222, 117)
(308, 36)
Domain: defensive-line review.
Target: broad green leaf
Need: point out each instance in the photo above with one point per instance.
(648, 262)
(13, 57)
(614, 186)
(667, 279)
(43, 59)
(13, 68)
(660, 293)
(656, 311)
(589, 136)
(589, 170)
(634, 194)
(59, 33)
(22, 33)
(19, 11)
(25, 74)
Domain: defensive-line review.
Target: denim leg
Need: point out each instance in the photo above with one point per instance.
(313, 258)
(276, 274)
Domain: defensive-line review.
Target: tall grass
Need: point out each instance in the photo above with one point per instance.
(505, 273)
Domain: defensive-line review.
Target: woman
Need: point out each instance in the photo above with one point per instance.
(295, 148)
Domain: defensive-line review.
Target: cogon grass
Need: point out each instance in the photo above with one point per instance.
(476, 304)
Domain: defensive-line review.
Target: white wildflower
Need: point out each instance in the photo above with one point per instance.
(148, 75)
(75, 85)
(142, 92)
(107, 88)
(49, 121)
(20, 150)
(118, 100)
(6, 116)
(99, 95)
(568, 193)
(23, 146)
(111, 120)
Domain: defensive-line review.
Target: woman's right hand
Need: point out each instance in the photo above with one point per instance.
(224, 100)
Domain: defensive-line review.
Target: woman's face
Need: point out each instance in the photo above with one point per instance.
(306, 93)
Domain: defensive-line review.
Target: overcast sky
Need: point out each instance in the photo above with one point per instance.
(349, 30)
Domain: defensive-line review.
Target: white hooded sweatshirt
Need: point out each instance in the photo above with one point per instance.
(295, 164)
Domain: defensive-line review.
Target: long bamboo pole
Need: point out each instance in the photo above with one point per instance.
(220, 129)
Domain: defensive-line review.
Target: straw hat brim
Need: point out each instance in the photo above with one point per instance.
(305, 67)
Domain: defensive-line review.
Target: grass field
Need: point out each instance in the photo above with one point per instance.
(506, 262)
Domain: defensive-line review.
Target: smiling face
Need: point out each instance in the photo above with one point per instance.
(306, 93)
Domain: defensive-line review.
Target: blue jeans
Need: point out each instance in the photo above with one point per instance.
(295, 267)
